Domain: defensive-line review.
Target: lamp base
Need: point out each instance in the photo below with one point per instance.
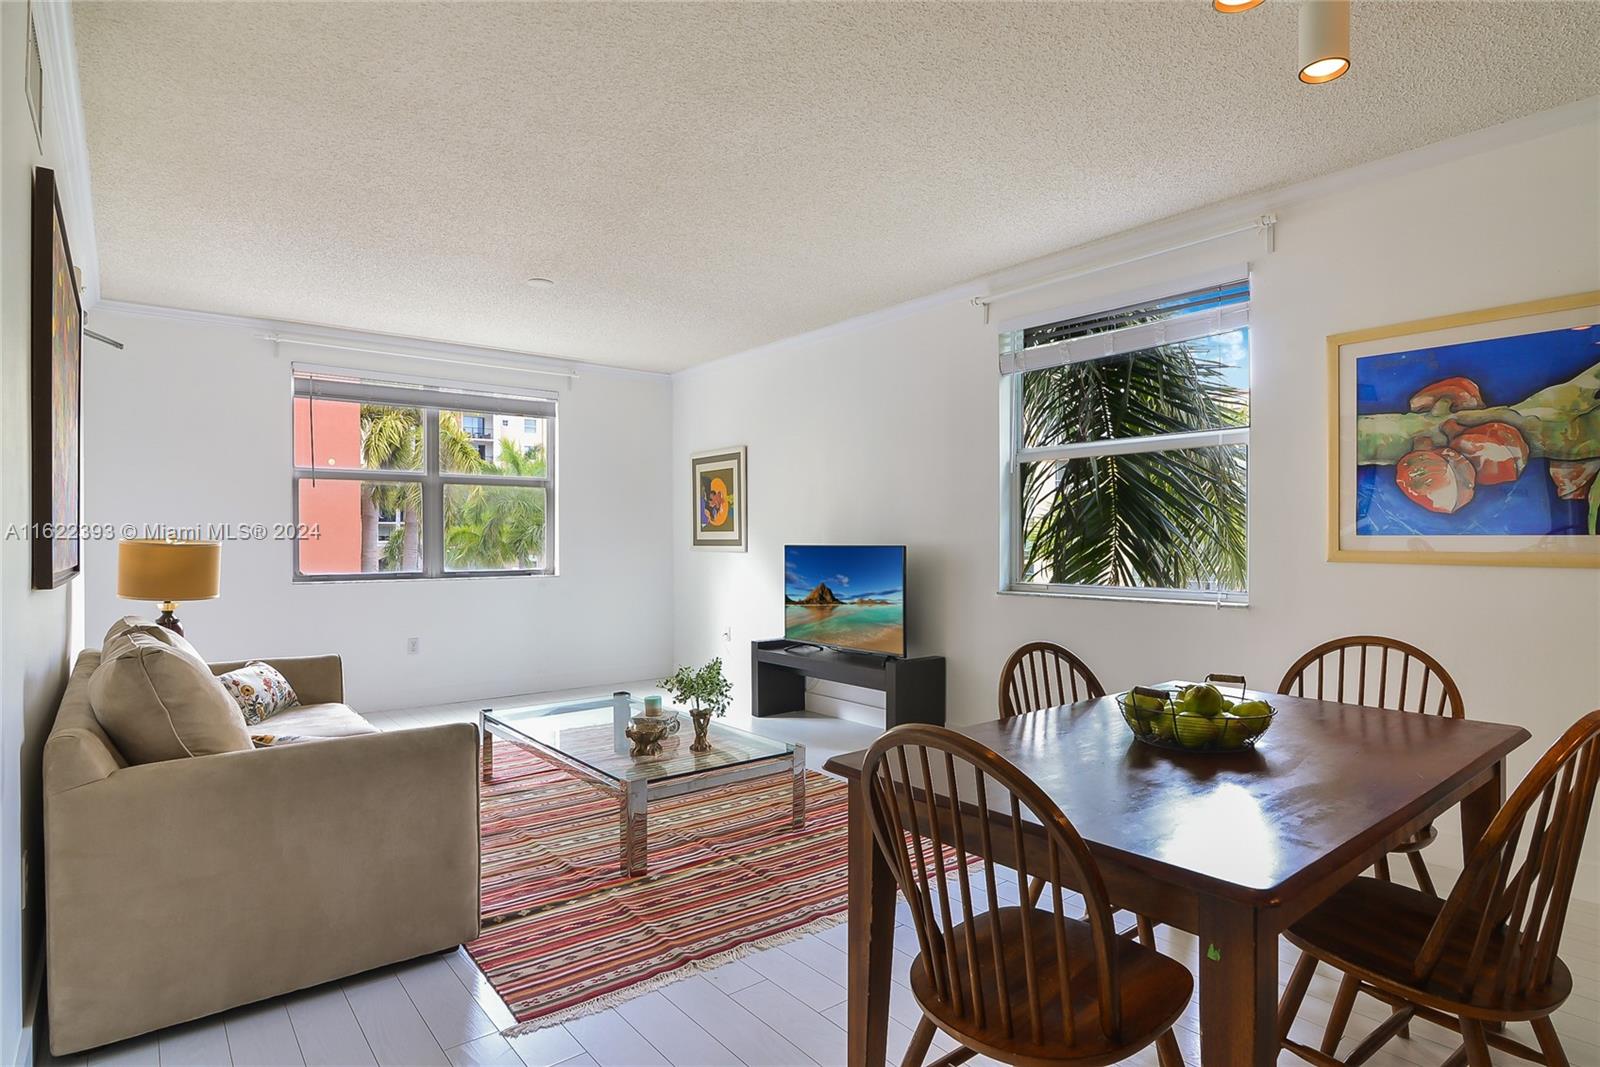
(168, 619)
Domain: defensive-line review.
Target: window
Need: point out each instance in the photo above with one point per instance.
(393, 480)
(1129, 450)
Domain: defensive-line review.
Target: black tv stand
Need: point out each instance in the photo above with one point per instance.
(913, 687)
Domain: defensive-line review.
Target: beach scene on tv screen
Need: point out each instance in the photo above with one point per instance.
(848, 595)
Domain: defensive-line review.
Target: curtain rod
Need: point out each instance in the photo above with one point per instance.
(279, 338)
(1263, 222)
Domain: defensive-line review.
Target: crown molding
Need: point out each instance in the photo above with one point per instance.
(1106, 252)
(63, 106)
(371, 342)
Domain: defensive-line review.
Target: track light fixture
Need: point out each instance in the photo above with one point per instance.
(1324, 40)
(1324, 36)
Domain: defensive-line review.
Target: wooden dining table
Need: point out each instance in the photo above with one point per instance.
(1232, 847)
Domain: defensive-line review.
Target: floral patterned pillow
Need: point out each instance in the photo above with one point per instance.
(279, 740)
(259, 690)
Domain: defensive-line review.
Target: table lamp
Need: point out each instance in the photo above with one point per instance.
(168, 571)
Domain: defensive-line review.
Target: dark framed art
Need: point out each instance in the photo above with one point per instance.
(57, 367)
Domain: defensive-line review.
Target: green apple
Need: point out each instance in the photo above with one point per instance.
(1201, 699)
(1161, 727)
(1146, 705)
(1255, 716)
(1197, 731)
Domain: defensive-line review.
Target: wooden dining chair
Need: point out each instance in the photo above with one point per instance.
(1380, 672)
(1022, 984)
(1486, 955)
(1042, 674)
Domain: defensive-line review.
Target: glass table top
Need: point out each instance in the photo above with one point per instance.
(588, 732)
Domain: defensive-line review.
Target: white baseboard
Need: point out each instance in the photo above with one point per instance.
(848, 710)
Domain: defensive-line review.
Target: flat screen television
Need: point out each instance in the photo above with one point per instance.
(846, 596)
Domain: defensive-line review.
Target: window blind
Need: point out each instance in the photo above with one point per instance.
(327, 387)
(1202, 313)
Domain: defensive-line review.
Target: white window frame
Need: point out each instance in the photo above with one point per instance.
(365, 387)
(1014, 364)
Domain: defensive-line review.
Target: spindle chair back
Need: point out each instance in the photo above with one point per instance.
(1378, 672)
(1042, 674)
(1513, 896)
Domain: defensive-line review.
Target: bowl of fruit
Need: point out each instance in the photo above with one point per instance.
(1196, 718)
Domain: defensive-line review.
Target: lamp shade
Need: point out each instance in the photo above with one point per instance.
(150, 569)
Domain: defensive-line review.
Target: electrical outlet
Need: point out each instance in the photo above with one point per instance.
(413, 645)
(727, 633)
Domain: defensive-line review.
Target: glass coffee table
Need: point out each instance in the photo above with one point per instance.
(586, 738)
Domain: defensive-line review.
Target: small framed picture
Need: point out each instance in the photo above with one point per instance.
(1468, 439)
(719, 500)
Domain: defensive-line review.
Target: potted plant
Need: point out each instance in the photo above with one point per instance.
(705, 691)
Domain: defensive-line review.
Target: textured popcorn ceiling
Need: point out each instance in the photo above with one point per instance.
(703, 178)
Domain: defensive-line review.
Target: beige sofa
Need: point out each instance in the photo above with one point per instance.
(185, 887)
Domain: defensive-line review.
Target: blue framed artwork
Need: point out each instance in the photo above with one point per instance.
(1469, 439)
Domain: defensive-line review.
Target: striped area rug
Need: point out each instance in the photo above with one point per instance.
(565, 933)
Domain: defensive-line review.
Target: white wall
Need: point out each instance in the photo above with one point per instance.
(39, 630)
(889, 433)
(190, 424)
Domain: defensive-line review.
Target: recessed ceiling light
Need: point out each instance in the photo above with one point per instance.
(540, 283)
(1228, 7)
(1324, 40)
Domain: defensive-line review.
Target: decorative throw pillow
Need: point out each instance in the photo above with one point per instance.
(279, 740)
(157, 703)
(259, 690)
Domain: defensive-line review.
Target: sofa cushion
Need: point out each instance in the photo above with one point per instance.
(157, 702)
(116, 636)
(318, 720)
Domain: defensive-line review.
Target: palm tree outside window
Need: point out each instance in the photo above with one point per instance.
(1129, 450)
(400, 481)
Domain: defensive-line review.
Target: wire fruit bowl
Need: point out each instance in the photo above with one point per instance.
(1153, 717)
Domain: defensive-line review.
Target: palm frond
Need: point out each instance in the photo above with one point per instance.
(1172, 519)
(457, 453)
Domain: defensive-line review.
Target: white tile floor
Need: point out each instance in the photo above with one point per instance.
(780, 1006)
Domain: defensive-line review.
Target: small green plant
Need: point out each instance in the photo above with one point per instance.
(703, 689)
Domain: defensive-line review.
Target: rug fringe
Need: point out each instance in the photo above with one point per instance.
(710, 963)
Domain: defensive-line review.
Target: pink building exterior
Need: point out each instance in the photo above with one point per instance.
(331, 507)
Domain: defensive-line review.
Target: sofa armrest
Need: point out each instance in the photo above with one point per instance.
(316, 679)
(179, 889)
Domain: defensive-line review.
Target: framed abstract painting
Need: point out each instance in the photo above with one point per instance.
(57, 365)
(719, 501)
(1468, 439)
